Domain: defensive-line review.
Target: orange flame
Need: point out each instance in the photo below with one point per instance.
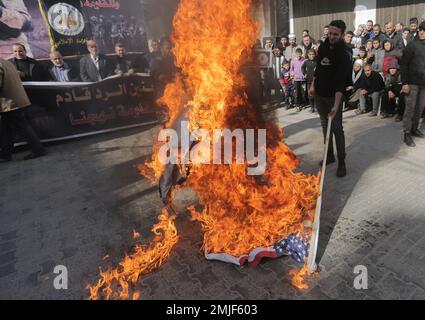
(115, 283)
(299, 277)
(212, 40)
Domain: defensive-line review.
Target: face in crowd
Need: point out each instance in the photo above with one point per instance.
(376, 44)
(19, 51)
(399, 27)
(335, 35)
(269, 43)
(155, 46)
(392, 71)
(348, 38)
(92, 48)
(369, 45)
(389, 28)
(368, 70)
(56, 58)
(165, 48)
(311, 55)
(306, 40)
(326, 31)
(369, 26)
(357, 67)
(413, 27)
(120, 51)
(360, 31)
(406, 34)
(284, 41)
(292, 41)
(376, 30)
(421, 33)
(388, 46)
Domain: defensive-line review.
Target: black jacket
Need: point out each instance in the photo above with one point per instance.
(361, 83)
(334, 69)
(34, 70)
(413, 63)
(308, 70)
(89, 72)
(374, 83)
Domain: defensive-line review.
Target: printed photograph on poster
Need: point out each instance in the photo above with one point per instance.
(21, 22)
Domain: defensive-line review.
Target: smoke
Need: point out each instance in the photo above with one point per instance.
(158, 16)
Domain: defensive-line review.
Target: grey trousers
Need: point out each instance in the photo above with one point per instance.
(324, 106)
(375, 96)
(415, 104)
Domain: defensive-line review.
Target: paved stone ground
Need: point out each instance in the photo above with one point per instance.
(83, 201)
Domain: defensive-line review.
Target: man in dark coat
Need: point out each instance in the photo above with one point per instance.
(94, 66)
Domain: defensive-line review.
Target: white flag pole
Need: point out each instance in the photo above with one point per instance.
(311, 262)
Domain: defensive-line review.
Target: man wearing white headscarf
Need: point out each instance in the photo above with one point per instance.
(353, 92)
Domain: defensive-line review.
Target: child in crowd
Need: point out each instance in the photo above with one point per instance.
(298, 77)
(393, 88)
(308, 70)
(287, 84)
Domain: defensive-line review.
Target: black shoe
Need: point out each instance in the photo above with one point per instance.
(5, 158)
(408, 140)
(329, 161)
(399, 118)
(32, 155)
(342, 169)
(417, 133)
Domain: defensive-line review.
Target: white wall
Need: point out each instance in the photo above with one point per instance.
(365, 10)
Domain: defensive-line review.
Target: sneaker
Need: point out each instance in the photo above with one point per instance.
(373, 114)
(418, 134)
(32, 155)
(342, 169)
(408, 140)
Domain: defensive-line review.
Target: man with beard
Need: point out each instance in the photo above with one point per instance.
(330, 82)
(15, 20)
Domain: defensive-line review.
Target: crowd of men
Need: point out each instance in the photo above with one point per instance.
(388, 72)
(93, 67)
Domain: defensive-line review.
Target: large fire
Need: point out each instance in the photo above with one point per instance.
(212, 39)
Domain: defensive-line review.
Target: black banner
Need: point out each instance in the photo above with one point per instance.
(68, 25)
(72, 22)
(65, 110)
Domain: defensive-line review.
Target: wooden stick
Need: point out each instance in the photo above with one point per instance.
(311, 262)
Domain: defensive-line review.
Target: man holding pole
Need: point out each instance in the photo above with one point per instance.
(332, 77)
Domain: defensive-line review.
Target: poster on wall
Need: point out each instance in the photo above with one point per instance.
(21, 21)
(66, 25)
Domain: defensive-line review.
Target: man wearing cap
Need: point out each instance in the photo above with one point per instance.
(413, 79)
(290, 50)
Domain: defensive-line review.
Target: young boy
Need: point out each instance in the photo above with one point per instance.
(308, 70)
(298, 77)
(393, 87)
(287, 84)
